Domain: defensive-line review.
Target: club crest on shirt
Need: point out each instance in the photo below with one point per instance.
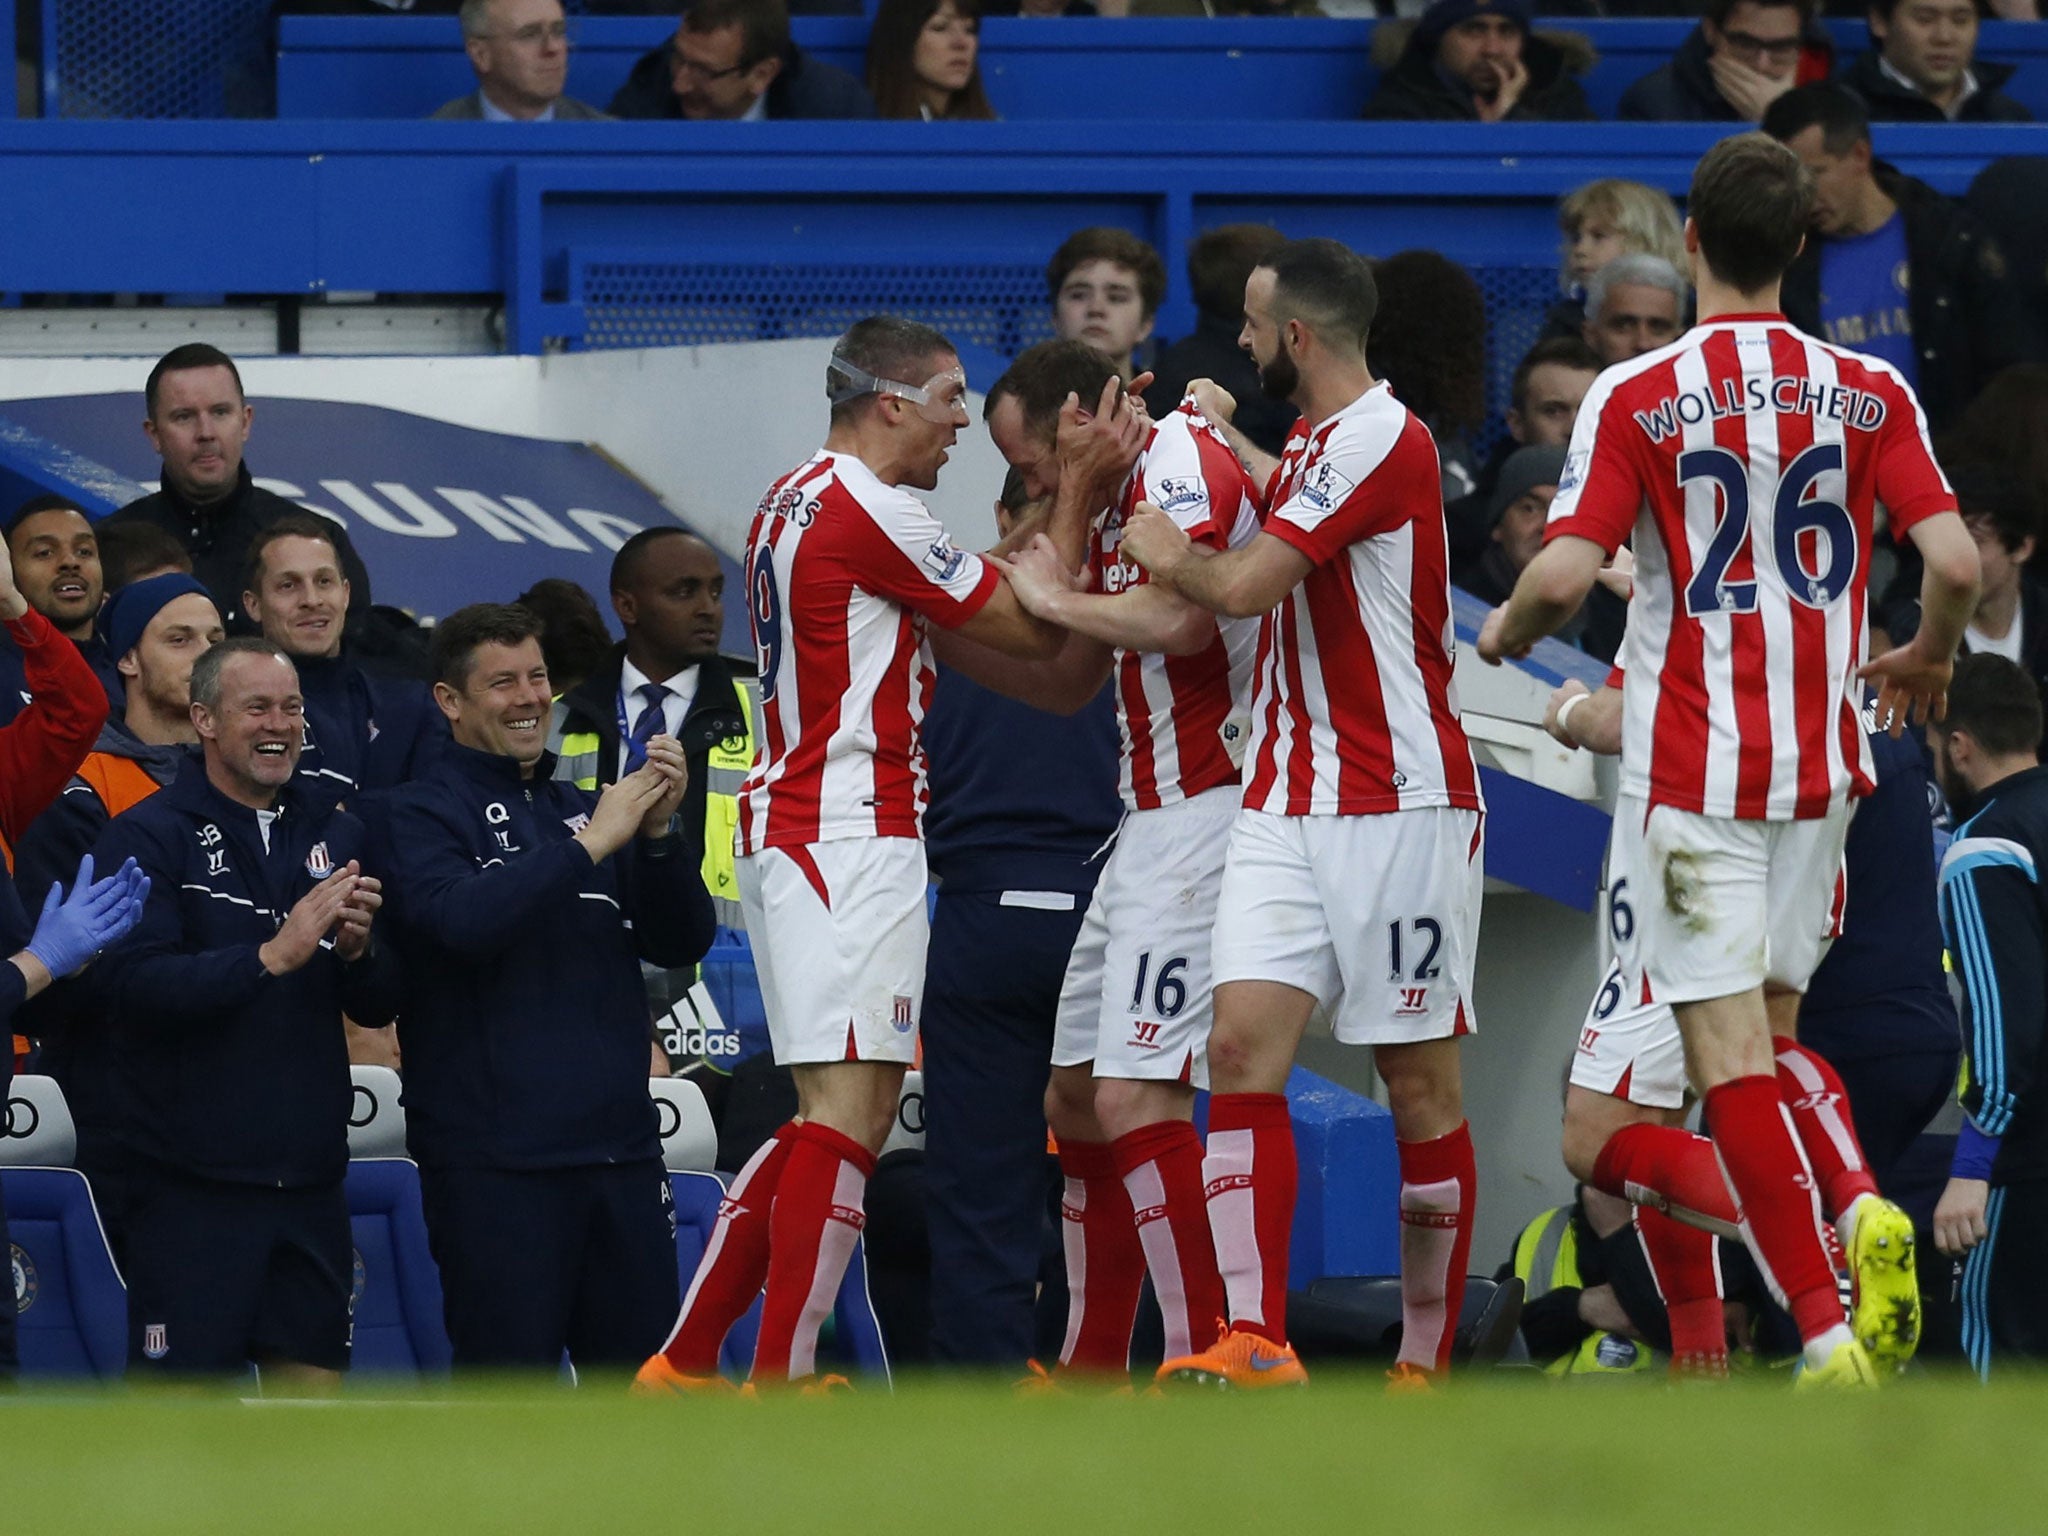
(155, 1342)
(1181, 491)
(1325, 486)
(318, 864)
(943, 560)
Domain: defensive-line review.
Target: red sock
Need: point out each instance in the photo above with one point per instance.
(1687, 1269)
(1249, 1181)
(1775, 1197)
(1439, 1184)
(1162, 1169)
(735, 1261)
(815, 1223)
(1671, 1169)
(1820, 1114)
(1105, 1263)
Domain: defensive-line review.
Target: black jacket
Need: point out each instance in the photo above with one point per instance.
(1683, 91)
(1902, 623)
(221, 1069)
(1994, 913)
(364, 732)
(1969, 319)
(1412, 89)
(806, 88)
(14, 690)
(1211, 352)
(1890, 102)
(526, 1028)
(218, 535)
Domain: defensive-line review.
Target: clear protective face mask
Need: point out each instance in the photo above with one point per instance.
(941, 399)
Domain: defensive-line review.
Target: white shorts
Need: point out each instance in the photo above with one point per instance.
(1720, 906)
(1137, 998)
(1629, 1048)
(1377, 917)
(839, 933)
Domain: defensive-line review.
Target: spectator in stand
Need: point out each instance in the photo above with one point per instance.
(1106, 284)
(198, 418)
(132, 552)
(1634, 304)
(1428, 341)
(1219, 263)
(573, 637)
(1543, 406)
(520, 52)
(363, 732)
(1898, 270)
(1519, 509)
(1921, 67)
(1600, 221)
(158, 627)
(1478, 60)
(2012, 606)
(2007, 425)
(733, 60)
(923, 61)
(1742, 56)
(56, 559)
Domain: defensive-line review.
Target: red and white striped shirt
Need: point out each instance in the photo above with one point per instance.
(843, 572)
(1353, 711)
(1748, 461)
(1180, 715)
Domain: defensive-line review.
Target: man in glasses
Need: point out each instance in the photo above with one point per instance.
(1743, 56)
(520, 52)
(732, 60)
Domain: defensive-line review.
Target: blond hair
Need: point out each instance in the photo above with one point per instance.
(1646, 219)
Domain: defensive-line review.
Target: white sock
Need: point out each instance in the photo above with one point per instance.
(1821, 1346)
(1845, 1224)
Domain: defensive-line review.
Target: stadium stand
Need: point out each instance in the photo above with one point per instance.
(397, 1289)
(72, 1313)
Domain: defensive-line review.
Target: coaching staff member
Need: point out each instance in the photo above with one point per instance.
(231, 1075)
(523, 907)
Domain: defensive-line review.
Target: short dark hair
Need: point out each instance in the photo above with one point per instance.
(1221, 259)
(1326, 284)
(36, 506)
(206, 670)
(626, 563)
(1836, 111)
(763, 24)
(1718, 11)
(1994, 493)
(1429, 339)
(1106, 242)
(1996, 702)
(1560, 351)
(573, 639)
(293, 525)
(1043, 376)
(1751, 202)
(889, 347)
(1013, 497)
(194, 354)
(129, 546)
(464, 632)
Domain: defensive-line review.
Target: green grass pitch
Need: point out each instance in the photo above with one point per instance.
(936, 1458)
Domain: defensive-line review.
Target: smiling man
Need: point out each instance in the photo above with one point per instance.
(57, 568)
(363, 731)
(524, 906)
(230, 1072)
(1922, 67)
(198, 419)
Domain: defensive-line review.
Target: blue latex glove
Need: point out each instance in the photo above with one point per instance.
(71, 930)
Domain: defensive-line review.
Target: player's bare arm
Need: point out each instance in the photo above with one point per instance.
(1912, 679)
(1552, 587)
(1237, 583)
(1218, 406)
(1147, 617)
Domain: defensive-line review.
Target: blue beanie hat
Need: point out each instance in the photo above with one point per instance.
(130, 609)
(1446, 14)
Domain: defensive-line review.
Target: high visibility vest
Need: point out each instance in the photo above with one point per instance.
(1547, 1258)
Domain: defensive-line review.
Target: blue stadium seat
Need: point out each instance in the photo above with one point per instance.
(72, 1310)
(853, 1342)
(397, 1317)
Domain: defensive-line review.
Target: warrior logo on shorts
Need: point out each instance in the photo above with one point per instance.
(1414, 1003)
(154, 1344)
(900, 1017)
(26, 1281)
(318, 864)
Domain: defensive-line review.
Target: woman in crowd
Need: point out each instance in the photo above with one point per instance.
(924, 61)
